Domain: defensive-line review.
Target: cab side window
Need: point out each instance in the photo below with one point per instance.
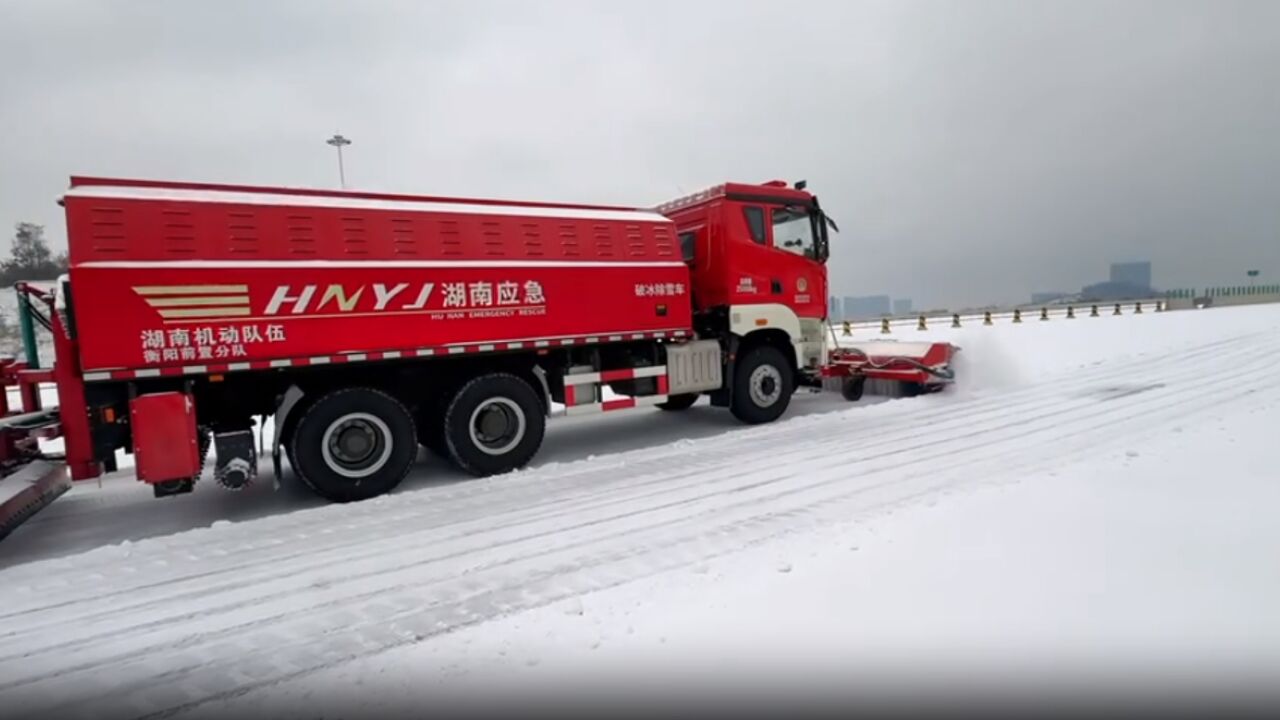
(755, 222)
(687, 244)
(793, 231)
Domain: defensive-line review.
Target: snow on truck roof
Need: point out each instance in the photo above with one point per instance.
(129, 189)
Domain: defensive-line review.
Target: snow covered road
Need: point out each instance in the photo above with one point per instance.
(223, 618)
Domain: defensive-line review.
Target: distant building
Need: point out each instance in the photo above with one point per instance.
(902, 306)
(1112, 291)
(1044, 298)
(1129, 281)
(869, 306)
(1137, 274)
(833, 308)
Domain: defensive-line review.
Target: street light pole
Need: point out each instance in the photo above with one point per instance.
(338, 141)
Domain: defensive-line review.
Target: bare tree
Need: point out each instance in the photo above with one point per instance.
(31, 258)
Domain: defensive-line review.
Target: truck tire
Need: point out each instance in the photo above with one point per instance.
(288, 429)
(494, 424)
(762, 386)
(354, 444)
(851, 388)
(680, 402)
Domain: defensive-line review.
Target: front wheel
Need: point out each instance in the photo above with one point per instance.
(494, 424)
(354, 444)
(762, 386)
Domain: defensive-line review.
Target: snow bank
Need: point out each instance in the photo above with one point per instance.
(1143, 563)
(1109, 510)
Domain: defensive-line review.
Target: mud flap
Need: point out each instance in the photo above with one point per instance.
(724, 396)
(291, 398)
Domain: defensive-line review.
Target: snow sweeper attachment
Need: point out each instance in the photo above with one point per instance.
(891, 368)
(29, 478)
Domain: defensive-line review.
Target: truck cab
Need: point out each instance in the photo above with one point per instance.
(757, 257)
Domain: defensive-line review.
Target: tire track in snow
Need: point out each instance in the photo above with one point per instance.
(481, 493)
(840, 465)
(493, 501)
(724, 542)
(724, 539)
(239, 606)
(234, 605)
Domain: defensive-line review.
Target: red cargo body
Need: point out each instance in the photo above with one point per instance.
(195, 279)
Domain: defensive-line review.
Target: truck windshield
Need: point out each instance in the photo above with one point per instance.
(793, 231)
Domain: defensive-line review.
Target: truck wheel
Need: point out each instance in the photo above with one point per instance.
(494, 424)
(354, 444)
(762, 386)
(679, 402)
(851, 388)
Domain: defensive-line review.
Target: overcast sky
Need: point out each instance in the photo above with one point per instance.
(971, 151)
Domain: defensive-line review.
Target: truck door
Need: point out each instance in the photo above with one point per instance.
(793, 240)
(775, 262)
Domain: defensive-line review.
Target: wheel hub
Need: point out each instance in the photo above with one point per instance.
(766, 385)
(354, 443)
(497, 425)
(357, 445)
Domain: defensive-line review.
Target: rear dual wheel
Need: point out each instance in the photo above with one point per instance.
(494, 423)
(353, 444)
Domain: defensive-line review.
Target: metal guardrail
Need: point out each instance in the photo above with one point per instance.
(1023, 313)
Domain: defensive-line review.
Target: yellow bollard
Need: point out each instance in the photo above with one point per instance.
(955, 320)
(921, 326)
(1137, 309)
(1094, 312)
(986, 318)
(884, 326)
(1017, 315)
(1071, 313)
(847, 330)
(1044, 314)
(1117, 312)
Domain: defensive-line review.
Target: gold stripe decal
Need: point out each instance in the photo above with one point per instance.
(193, 303)
(163, 302)
(191, 289)
(220, 312)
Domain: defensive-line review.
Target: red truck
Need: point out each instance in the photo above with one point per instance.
(367, 324)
